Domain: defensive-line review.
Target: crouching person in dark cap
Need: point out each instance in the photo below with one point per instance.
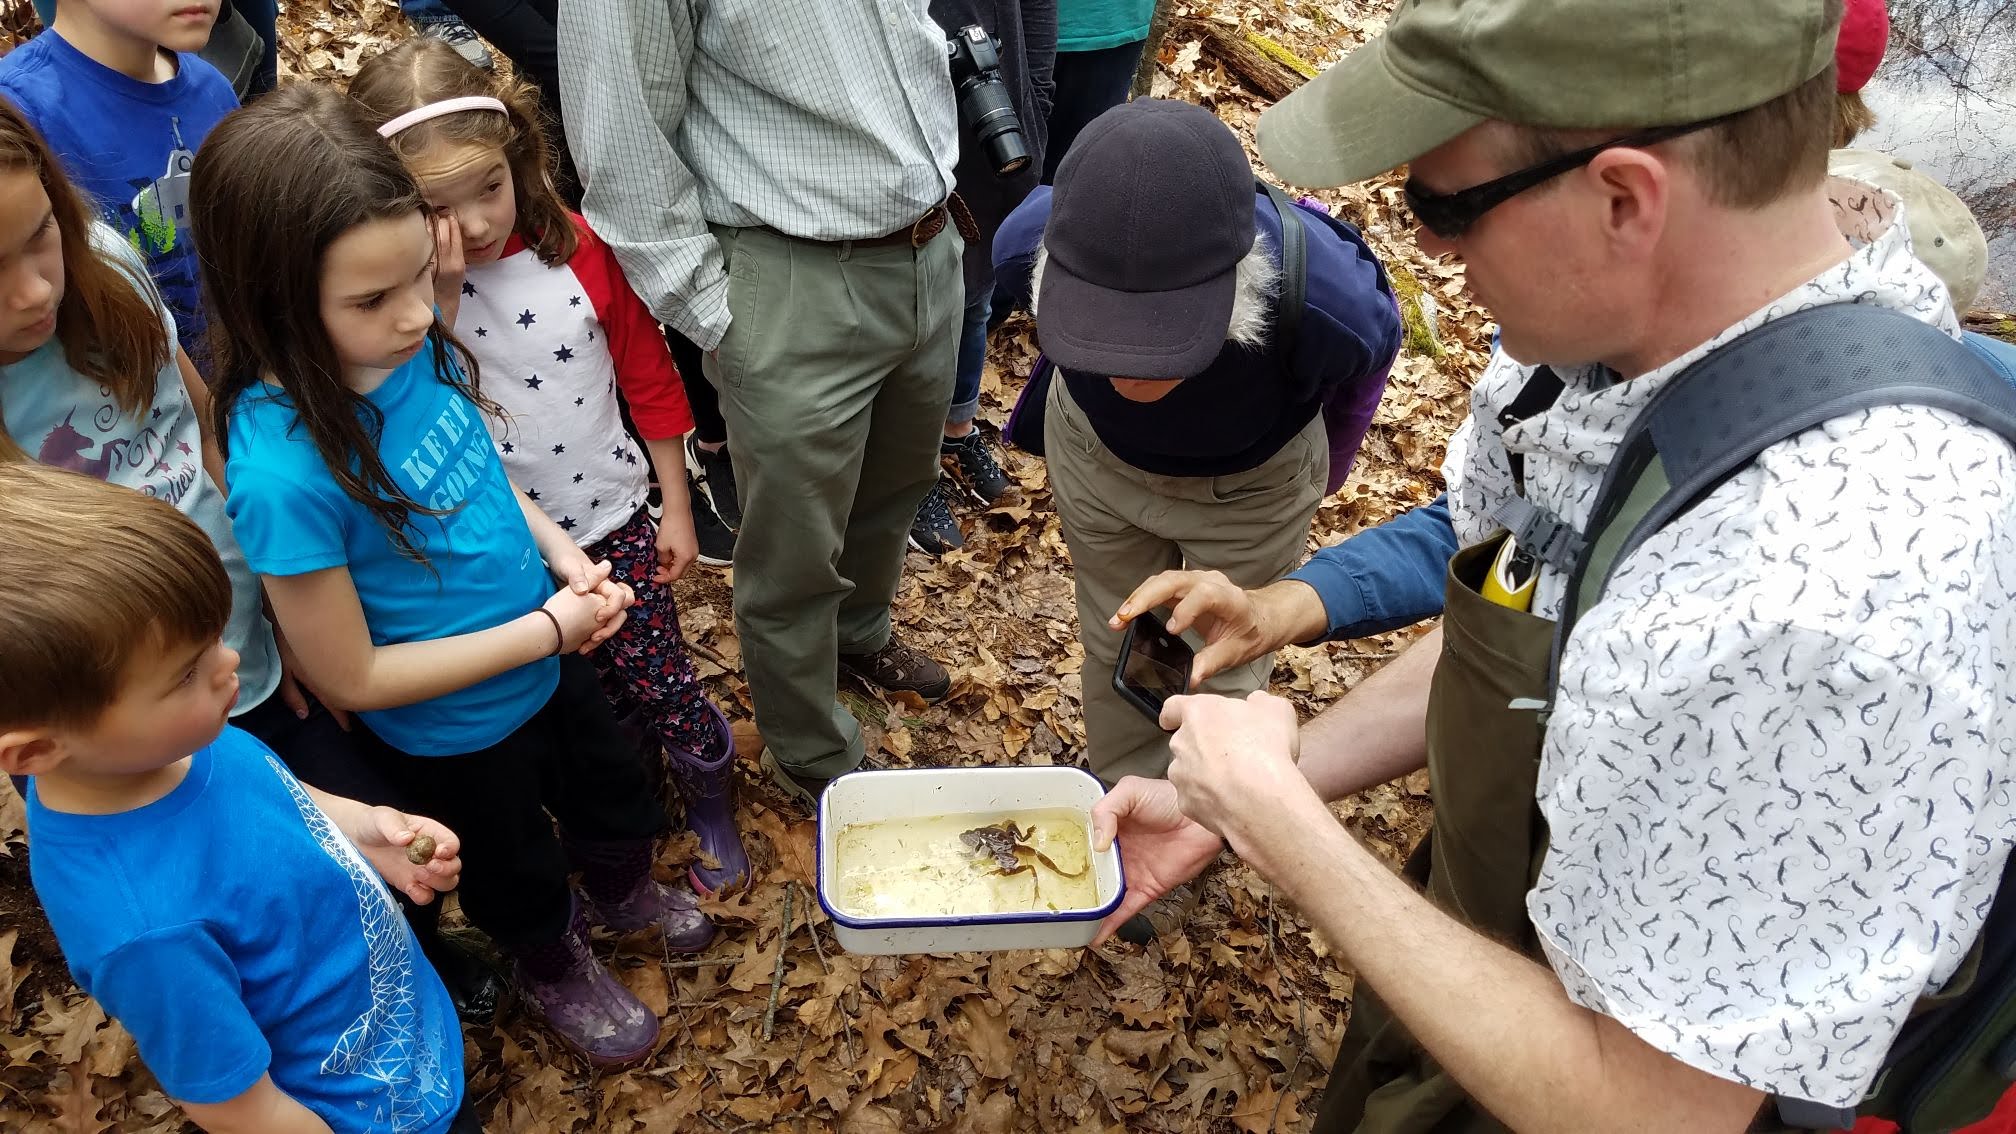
(1196, 414)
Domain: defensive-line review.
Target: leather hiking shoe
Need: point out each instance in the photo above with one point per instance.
(716, 471)
(978, 472)
(897, 668)
(803, 788)
(935, 531)
(716, 540)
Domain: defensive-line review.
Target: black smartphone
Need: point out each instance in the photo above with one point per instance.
(1154, 666)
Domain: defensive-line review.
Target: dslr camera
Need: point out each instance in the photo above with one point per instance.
(984, 105)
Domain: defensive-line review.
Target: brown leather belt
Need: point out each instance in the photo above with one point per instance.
(917, 235)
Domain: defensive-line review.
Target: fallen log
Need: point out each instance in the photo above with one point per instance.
(1253, 60)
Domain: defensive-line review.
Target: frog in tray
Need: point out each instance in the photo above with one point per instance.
(1006, 843)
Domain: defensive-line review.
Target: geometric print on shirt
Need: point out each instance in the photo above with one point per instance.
(1776, 774)
(387, 1044)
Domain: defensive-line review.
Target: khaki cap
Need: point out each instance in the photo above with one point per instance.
(1944, 234)
(1444, 66)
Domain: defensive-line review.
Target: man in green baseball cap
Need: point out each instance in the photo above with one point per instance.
(1698, 882)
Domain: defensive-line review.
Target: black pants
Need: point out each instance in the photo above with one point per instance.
(708, 425)
(1089, 83)
(570, 763)
(523, 30)
(322, 755)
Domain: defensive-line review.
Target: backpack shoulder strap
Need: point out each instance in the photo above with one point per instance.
(1294, 268)
(1715, 417)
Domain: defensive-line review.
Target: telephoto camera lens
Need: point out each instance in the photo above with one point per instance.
(984, 105)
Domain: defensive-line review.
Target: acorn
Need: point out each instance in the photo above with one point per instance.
(420, 850)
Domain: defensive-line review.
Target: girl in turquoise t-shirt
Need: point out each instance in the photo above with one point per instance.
(416, 586)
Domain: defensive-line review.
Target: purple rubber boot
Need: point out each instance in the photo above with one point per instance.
(708, 789)
(585, 1006)
(624, 898)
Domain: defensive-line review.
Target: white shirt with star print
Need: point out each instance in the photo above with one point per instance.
(1777, 773)
(553, 344)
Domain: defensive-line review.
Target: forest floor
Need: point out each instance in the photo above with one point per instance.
(1229, 1025)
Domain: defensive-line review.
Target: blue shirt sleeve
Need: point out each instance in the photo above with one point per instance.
(176, 990)
(1384, 577)
(284, 528)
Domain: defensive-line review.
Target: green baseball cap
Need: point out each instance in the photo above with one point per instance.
(1443, 66)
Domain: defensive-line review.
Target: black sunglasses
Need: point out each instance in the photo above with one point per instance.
(1450, 215)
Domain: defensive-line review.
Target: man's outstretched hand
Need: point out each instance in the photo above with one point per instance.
(1238, 625)
(1163, 848)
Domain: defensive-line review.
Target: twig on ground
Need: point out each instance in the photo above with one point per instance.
(816, 946)
(777, 977)
(708, 652)
(846, 1017)
(1301, 1017)
(703, 962)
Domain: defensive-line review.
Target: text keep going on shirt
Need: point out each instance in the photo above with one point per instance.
(482, 567)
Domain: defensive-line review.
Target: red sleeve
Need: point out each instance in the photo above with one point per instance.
(645, 371)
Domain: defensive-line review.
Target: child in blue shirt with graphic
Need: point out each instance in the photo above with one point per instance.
(115, 89)
(230, 917)
(414, 583)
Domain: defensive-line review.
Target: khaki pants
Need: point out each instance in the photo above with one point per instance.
(835, 377)
(1124, 525)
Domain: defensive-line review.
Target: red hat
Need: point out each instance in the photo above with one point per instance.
(1865, 32)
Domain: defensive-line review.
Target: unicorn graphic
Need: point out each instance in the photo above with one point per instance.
(65, 447)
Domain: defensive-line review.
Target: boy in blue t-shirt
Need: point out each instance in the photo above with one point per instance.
(232, 918)
(114, 89)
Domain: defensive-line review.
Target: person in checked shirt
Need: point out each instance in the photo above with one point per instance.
(776, 180)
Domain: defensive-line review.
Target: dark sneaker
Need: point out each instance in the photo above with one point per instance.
(474, 986)
(459, 36)
(936, 530)
(717, 542)
(805, 789)
(979, 473)
(1163, 917)
(897, 667)
(717, 474)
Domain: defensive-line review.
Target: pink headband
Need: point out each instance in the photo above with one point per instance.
(421, 114)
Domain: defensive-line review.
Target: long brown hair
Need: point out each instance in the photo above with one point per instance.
(424, 70)
(109, 320)
(273, 186)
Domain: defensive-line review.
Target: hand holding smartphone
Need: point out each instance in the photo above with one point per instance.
(1154, 666)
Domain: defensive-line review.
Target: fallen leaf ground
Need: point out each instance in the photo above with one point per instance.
(1227, 1025)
